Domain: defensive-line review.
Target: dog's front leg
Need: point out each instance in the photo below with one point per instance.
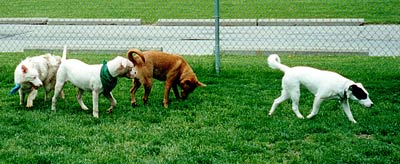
(21, 97)
(346, 108)
(166, 93)
(316, 104)
(112, 100)
(176, 92)
(95, 95)
(31, 97)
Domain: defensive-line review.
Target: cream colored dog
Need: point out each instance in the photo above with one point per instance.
(32, 73)
(323, 84)
(95, 78)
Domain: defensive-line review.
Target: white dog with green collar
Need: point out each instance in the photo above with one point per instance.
(87, 78)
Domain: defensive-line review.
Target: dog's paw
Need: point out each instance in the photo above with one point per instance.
(133, 104)
(110, 110)
(85, 108)
(29, 104)
(310, 116)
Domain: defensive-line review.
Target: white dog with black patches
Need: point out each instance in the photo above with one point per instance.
(99, 78)
(323, 84)
(34, 72)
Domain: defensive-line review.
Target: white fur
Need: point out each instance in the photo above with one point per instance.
(32, 73)
(87, 78)
(323, 84)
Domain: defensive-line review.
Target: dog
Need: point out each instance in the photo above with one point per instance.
(34, 72)
(172, 69)
(100, 78)
(323, 84)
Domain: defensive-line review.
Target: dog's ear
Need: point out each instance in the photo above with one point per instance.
(358, 92)
(24, 69)
(200, 84)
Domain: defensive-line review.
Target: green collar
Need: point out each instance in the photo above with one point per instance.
(107, 80)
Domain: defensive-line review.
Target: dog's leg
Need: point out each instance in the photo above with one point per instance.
(317, 102)
(21, 97)
(95, 95)
(176, 92)
(284, 96)
(62, 95)
(147, 88)
(167, 88)
(112, 100)
(346, 108)
(47, 89)
(79, 99)
(295, 97)
(31, 97)
(136, 84)
(57, 89)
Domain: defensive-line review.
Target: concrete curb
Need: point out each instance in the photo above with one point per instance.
(93, 49)
(310, 51)
(261, 22)
(31, 21)
(186, 22)
(66, 21)
(310, 22)
(206, 22)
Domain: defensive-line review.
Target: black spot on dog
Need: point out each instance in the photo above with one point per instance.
(358, 92)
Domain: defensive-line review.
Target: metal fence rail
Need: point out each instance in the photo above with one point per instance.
(239, 34)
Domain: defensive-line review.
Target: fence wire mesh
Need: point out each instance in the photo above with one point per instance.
(187, 26)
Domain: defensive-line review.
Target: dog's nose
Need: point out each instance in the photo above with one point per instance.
(371, 105)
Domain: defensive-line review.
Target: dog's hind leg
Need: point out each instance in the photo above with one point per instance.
(316, 104)
(284, 96)
(57, 89)
(136, 84)
(112, 100)
(147, 88)
(79, 99)
(295, 97)
(346, 108)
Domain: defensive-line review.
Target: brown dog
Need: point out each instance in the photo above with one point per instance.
(172, 69)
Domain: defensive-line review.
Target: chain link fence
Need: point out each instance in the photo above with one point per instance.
(187, 26)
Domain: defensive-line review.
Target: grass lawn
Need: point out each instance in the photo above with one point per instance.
(226, 122)
(151, 10)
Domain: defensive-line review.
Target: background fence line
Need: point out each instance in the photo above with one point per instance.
(188, 27)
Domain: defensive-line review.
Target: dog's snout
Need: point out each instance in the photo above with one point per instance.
(371, 105)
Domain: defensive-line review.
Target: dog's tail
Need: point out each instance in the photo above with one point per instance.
(274, 62)
(136, 60)
(64, 55)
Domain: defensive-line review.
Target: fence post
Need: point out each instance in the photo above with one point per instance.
(216, 49)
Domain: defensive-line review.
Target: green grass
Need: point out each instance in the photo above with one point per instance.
(150, 11)
(226, 122)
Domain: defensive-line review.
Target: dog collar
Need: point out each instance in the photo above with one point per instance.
(107, 80)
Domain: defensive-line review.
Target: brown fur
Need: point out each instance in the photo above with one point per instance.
(172, 69)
